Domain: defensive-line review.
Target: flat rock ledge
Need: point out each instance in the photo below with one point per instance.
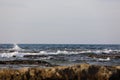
(75, 72)
(29, 62)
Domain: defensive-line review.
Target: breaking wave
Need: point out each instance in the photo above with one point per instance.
(17, 51)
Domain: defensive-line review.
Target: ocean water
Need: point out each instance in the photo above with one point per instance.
(60, 54)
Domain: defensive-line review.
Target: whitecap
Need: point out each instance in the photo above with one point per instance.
(101, 59)
(8, 55)
(62, 52)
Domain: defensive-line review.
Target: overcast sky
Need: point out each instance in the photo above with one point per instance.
(60, 21)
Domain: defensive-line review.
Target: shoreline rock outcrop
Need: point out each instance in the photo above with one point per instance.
(29, 62)
(75, 72)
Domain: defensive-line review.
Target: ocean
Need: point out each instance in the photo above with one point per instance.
(59, 54)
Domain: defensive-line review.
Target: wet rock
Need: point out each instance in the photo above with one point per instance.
(31, 62)
(35, 56)
(115, 56)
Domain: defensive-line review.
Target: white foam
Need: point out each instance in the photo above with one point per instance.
(42, 52)
(54, 53)
(97, 51)
(8, 55)
(15, 54)
(45, 53)
(66, 52)
(62, 52)
(16, 47)
(18, 54)
(86, 51)
(107, 51)
(101, 59)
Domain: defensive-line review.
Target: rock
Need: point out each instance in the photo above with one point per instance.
(35, 62)
(115, 56)
(75, 72)
(35, 56)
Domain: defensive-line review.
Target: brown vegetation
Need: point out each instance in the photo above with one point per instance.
(76, 72)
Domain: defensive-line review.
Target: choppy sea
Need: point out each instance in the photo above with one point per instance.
(59, 54)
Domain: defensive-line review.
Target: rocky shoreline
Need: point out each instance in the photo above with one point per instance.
(29, 62)
(115, 56)
(74, 72)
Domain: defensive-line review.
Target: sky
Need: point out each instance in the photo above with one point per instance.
(60, 21)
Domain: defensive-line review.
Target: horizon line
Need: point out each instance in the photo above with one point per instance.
(70, 43)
